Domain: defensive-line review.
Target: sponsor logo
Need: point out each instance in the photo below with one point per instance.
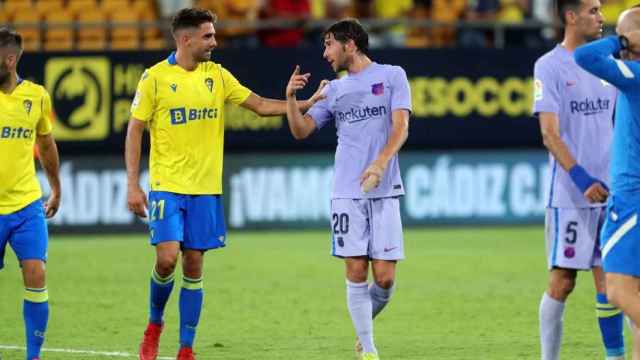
(8, 132)
(390, 249)
(570, 83)
(359, 114)
(537, 90)
(173, 87)
(589, 106)
(80, 89)
(182, 115)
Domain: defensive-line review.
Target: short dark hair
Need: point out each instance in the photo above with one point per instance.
(350, 29)
(10, 39)
(191, 18)
(562, 6)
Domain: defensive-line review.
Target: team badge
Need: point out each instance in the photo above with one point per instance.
(27, 106)
(209, 83)
(377, 89)
(537, 90)
(173, 87)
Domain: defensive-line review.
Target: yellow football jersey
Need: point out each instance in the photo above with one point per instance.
(24, 114)
(185, 115)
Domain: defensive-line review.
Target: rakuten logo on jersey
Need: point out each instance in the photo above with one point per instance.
(589, 107)
(359, 114)
(16, 133)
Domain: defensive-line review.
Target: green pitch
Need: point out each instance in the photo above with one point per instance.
(468, 293)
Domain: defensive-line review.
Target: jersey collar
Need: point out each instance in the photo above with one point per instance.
(172, 58)
(19, 80)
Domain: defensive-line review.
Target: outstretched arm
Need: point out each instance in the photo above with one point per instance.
(50, 162)
(265, 107)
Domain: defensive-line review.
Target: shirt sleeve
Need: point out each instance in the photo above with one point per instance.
(44, 126)
(143, 103)
(320, 111)
(234, 91)
(546, 97)
(596, 58)
(400, 91)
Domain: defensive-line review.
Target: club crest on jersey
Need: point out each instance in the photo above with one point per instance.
(173, 87)
(209, 83)
(27, 106)
(377, 89)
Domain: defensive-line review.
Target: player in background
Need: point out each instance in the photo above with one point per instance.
(575, 110)
(370, 107)
(182, 101)
(25, 120)
(620, 235)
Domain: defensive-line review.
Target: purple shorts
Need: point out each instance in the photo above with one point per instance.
(367, 227)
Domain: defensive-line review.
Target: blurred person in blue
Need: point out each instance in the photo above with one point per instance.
(621, 234)
(575, 110)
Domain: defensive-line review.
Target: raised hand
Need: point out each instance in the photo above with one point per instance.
(297, 81)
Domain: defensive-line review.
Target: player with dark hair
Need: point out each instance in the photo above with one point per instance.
(182, 101)
(370, 107)
(25, 120)
(575, 111)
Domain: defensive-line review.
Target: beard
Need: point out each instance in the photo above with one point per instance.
(5, 74)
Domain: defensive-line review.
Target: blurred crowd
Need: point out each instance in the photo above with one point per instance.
(396, 23)
(142, 24)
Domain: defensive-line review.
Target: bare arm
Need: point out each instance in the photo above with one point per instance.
(550, 128)
(50, 162)
(265, 107)
(301, 126)
(399, 133)
(136, 198)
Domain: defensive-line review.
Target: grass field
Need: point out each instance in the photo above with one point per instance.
(466, 293)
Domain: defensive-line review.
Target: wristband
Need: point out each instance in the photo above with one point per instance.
(581, 178)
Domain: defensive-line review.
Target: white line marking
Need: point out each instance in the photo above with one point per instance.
(86, 352)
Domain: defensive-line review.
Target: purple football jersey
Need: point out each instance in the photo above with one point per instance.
(361, 104)
(584, 105)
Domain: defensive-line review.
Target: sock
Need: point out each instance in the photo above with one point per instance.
(360, 308)
(159, 291)
(379, 297)
(190, 305)
(35, 310)
(551, 313)
(610, 320)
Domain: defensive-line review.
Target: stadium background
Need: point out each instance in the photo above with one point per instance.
(474, 157)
